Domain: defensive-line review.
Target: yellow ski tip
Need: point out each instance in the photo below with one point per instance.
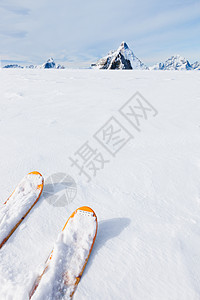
(35, 173)
(83, 208)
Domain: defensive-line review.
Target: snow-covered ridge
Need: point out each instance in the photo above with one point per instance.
(175, 62)
(120, 59)
(49, 64)
(123, 59)
(13, 66)
(196, 65)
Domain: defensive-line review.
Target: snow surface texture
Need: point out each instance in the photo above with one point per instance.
(147, 198)
(24, 196)
(122, 58)
(69, 255)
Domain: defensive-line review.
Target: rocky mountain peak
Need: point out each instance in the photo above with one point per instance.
(120, 59)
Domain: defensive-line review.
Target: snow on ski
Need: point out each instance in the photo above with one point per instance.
(19, 204)
(69, 257)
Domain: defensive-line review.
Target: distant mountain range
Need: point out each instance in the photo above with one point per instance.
(50, 64)
(196, 65)
(14, 66)
(176, 62)
(124, 59)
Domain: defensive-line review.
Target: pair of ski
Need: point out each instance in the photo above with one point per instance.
(67, 261)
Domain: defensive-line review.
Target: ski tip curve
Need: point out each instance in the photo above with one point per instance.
(87, 208)
(40, 186)
(35, 173)
(83, 209)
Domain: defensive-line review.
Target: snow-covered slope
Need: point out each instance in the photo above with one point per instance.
(13, 66)
(146, 196)
(122, 58)
(196, 65)
(50, 64)
(176, 62)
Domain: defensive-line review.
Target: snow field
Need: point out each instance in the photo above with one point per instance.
(146, 198)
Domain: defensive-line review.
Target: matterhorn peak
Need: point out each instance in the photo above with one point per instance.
(124, 45)
(120, 59)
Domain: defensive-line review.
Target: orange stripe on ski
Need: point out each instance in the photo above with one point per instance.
(78, 278)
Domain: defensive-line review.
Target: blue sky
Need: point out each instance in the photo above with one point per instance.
(79, 32)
